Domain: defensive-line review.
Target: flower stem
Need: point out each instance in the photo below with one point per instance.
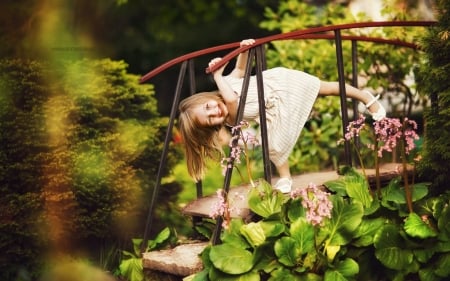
(408, 191)
(377, 170)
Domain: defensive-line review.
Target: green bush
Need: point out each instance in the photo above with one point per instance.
(433, 81)
(81, 144)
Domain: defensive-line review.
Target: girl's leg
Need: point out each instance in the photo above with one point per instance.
(284, 184)
(283, 170)
(332, 89)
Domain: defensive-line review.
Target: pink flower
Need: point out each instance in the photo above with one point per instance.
(355, 127)
(390, 130)
(316, 202)
(220, 207)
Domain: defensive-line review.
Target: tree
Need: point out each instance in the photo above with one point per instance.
(433, 80)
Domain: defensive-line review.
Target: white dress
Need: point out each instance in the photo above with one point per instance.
(289, 97)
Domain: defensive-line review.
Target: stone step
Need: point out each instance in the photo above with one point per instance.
(183, 260)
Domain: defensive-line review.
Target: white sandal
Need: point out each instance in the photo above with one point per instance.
(381, 113)
(284, 185)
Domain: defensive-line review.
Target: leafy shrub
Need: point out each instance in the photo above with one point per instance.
(81, 143)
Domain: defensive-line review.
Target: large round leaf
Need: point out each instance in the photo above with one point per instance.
(389, 248)
(333, 275)
(357, 188)
(366, 231)
(215, 274)
(396, 193)
(230, 259)
(263, 201)
(303, 233)
(416, 227)
(253, 233)
(272, 228)
(287, 251)
(348, 267)
(345, 218)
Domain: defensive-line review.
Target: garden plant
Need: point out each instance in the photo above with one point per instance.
(344, 230)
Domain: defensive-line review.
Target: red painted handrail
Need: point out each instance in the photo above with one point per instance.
(310, 33)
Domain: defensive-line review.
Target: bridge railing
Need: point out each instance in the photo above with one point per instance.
(257, 53)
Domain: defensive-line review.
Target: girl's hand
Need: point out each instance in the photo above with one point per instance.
(247, 42)
(220, 70)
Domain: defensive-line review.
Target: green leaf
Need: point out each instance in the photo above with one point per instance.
(272, 228)
(443, 265)
(424, 254)
(337, 186)
(397, 195)
(200, 276)
(159, 239)
(233, 235)
(265, 258)
(253, 233)
(137, 246)
(218, 275)
(345, 218)
(427, 274)
(128, 254)
(389, 248)
(333, 275)
(230, 259)
(132, 269)
(287, 251)
(348, 267)
(358, 189)
(264, 201)
(294, 209)
(416, 227)
(444, 223)
(303, 233)
(373, 207)
(283, 274)
(366, 231)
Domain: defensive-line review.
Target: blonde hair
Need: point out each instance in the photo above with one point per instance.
(200, 142)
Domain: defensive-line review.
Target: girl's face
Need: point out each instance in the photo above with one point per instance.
(211, 113)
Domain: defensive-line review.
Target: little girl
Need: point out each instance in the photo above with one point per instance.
(289, 97)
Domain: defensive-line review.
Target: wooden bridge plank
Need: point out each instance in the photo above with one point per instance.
(238, 195)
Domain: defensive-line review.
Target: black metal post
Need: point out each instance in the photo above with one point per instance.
(355, 84)
(162, 162)
(262, 113)
(343, 96)
(215, 239)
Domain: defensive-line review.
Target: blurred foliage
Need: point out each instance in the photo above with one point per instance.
(22, 152)
(433, 79)
(81, 143)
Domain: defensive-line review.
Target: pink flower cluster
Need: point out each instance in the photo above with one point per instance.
(243, 138)
(220, 208)
(316, 202)
(355, 127)
(390, 130)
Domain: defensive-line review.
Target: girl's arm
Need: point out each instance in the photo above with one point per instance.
(241, 61)
(229, 96)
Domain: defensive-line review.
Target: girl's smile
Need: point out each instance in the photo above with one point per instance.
(211, 113)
